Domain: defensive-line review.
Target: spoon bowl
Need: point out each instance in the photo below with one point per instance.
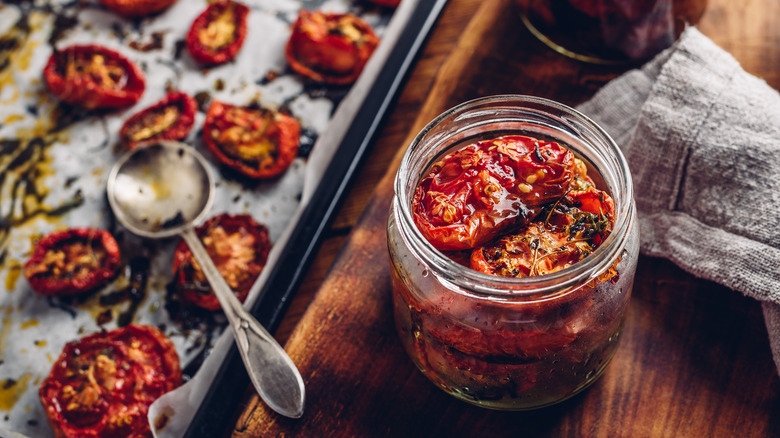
(158, 190)
(164, 189)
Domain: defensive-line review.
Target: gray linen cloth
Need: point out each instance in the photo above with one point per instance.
(702, 139)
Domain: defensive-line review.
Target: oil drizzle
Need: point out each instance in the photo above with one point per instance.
(11, 390)
(135, 292)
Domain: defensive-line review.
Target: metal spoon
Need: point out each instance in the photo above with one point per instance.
(164, 189)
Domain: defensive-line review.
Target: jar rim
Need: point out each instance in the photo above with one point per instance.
(472, 281)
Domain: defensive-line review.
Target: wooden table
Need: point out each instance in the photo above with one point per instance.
(694, 359)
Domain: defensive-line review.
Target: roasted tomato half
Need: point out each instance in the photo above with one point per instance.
(257, 142)
(535, 250)
(72, 261)
(388, 3)
(572, 228)
(239, 247)
(216, 35)
(102, 384)
(137, 8)
(93, 77)
(483, 190)
(170, 119)
(330, 48)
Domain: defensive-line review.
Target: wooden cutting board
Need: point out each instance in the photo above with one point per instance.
(694, 358)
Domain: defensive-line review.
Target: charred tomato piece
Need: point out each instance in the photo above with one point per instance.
(102, 384)
(216, 35)
(257, 142)
(535, 250)
(572, 228)
(72, 261)
(170, 119)
(330, 48)
(239, 247)
(137, 8)
(388, 3)
(485, 189)
(93, 77)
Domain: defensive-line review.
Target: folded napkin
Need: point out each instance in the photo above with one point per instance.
(702, 139)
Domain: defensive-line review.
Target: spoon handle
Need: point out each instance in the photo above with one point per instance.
(273, 374)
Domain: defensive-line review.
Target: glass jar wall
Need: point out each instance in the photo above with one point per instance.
(503, 342)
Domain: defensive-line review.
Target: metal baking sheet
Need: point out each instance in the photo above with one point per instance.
(54, 162)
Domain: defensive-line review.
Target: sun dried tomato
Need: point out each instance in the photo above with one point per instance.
(590, 8)
(330, 48)
(72, 261)
(535, 250)
(137, 8)
(216, 35)
(102, 384)
(257, 142)
(239, 247)
(388, 3)
(93, 77)
(570, 229)
(479, 192)
(169, 119)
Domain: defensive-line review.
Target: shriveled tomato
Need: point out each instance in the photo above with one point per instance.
(93, 77)
(330, 48)
(239, 247)
(505, 346)
(477, 193)
(590, 8)
(137, 8)
(571, 229)
(102, 384)
(72, 261)
(388, 3)
(169, 119)
(216, 35)
(257, 142)
(535, 250)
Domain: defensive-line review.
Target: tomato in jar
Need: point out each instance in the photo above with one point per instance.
(476, 193)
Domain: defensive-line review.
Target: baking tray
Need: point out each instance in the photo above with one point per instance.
(65, 178)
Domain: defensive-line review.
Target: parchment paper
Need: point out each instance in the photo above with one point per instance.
(53, 177)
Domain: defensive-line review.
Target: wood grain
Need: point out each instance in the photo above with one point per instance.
(694, 359)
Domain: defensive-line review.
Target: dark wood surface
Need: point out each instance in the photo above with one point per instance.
(694, 359)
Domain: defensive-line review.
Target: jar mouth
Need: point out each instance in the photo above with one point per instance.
(530, 115)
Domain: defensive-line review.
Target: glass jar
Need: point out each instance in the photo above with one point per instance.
(512, 343)
(609, 31)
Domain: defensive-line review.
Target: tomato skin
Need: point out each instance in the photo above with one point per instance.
(47, 283)
(225, 125)
(102, 384)
(209, 56)
(388, 3)
(185, 106)
(84, 90)
(137, 8)
(319, 50)
(187, 279)
(488, 188)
